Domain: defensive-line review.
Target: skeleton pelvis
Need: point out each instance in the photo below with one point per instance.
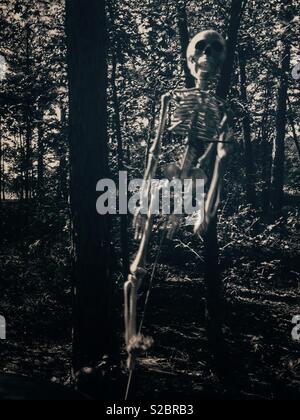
(172, 171)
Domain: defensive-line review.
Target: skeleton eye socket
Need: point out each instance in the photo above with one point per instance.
(217, 46)
(200, 46)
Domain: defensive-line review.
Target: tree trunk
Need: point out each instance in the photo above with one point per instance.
(1, 167)
(22, 165)
(28, 118)
(117, 117)
(63, 169)
(41, 166)
(237, 7)
(248, 151)
(279, 141)
(184, 42)
(150, 130)
(266, 151)
(214, 293)
(87, 72)
(118, 133)
(266, 171)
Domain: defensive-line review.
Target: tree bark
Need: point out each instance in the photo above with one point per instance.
(266, 171)
(150, 130)
(1, 167)
(120, 146)
(87, 73)
(41, 166)
(266, 151)
(28, 118)
(278, 166)
(248, 150)
(184, 42)
(214, 292)
(63, 169)
(237, 7)
(118, 130)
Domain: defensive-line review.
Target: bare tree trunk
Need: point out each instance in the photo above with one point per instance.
(150, 130)
(87, 71)
(117, 117)
(237, 8)
(248, 152)
(28, 157)
(279, 142)
(120, 146)
(266, 171)
(1, 167)
(41, 166)
(184, 42)
(215, 296)
(266, 150)
(22, 164)
(63, 169)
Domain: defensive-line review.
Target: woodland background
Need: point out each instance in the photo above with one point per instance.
(258, 228)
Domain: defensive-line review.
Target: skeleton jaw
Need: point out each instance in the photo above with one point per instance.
(206, 65)
(205, 69)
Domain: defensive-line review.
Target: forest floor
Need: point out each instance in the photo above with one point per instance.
(261, 273)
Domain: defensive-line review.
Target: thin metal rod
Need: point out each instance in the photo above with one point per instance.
(128, 385)
(163, 237)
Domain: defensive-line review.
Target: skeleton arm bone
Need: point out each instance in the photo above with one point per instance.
(156, 147)
(139, 220)
(214, 194)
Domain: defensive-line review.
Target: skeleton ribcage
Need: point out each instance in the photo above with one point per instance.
(197, 115)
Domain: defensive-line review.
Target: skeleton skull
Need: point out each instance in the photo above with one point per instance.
(206, 54)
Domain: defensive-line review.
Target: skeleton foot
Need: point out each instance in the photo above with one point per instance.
(139, 344)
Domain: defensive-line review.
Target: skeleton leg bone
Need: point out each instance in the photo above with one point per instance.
(134, 340)
(143, 226)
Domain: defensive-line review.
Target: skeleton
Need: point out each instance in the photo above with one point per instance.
(204, 121)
